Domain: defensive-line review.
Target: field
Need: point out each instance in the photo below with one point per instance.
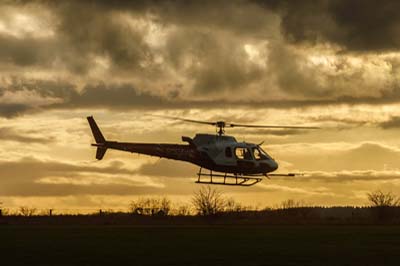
(200, 245)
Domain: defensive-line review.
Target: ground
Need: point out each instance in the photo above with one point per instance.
(200, 245)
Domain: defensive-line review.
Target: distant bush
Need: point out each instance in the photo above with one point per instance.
(151, 206)
(27, 211)
(183, 210)
(291, 203)
(230, 205)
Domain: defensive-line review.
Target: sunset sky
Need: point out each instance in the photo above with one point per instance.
(333, 64)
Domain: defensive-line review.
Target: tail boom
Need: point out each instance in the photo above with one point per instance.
(170, 151)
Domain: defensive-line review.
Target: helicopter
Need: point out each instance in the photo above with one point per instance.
(229, 162)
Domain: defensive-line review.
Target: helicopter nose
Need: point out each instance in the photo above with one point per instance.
(273, 165)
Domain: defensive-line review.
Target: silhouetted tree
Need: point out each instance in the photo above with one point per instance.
(208, 201)
(381, 199)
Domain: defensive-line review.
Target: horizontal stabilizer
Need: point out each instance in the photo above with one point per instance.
(100, 153)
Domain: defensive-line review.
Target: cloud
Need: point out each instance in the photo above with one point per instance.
(10, 134)
(392, 123)
(271, 132)
(168, 168)
(12, 110)
(351, 176)
(27, 51)
(118, 96)
(184, 54)
(32, 177)
(374, 27)
(347, 157)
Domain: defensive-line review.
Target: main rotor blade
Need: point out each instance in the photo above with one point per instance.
(222, 124)
(272, 126)
(187, 120)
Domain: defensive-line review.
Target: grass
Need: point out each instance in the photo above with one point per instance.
(200, 245)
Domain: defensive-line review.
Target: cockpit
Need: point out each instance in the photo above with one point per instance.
(247, 153)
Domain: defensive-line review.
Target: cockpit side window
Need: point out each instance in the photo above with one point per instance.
(243, 153)
(228, 152)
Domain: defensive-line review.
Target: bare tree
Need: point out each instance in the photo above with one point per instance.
(381, 199)
(208, 201)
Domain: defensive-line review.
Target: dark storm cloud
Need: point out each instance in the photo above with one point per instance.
(240, 16)
(88, 30)
(82, 30)
(92, 28)
(217, 67)
(354, 25)
(95, 29)
(293, 77)
(27, 51)
(42, 87)
(12, 110)
(203, 64)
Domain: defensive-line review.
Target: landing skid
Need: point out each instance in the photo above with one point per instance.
(228, 179)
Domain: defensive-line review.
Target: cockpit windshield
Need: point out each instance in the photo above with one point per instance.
(260, 154)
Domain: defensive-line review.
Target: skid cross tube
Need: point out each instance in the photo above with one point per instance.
(239, 179)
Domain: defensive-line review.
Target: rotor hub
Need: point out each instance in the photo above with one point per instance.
(221, 127)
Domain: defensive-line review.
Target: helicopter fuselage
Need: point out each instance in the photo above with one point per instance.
(213, 152)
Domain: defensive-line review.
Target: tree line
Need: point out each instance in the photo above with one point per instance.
(207, 201)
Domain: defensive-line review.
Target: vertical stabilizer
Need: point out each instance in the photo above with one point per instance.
(95, 130)
(100, 140)
(100, 153)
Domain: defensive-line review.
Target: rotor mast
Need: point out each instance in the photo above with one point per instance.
(220, 127)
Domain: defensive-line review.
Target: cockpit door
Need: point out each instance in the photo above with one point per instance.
(244, 157)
